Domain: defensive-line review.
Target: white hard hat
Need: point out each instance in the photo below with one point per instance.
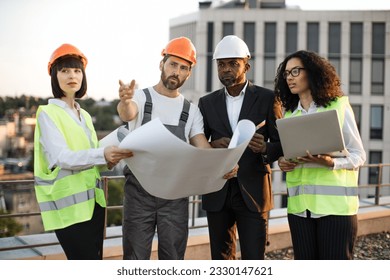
(231, 47)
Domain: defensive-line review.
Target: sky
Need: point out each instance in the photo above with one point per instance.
(122, 39)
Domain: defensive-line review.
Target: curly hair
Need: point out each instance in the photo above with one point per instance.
(324, 83)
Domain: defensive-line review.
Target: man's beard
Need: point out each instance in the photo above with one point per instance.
(172, 82)
(228, 81)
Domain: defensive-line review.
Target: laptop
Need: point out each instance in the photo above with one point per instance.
(318, 133)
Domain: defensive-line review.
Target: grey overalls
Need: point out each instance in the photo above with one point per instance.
(144, 212)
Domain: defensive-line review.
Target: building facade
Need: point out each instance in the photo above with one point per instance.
(356, 42)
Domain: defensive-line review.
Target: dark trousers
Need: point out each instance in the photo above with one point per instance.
(84, 241)
(326, 238)
(235, 215)
(143, 214)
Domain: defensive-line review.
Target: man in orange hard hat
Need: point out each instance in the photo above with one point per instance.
(143, 213)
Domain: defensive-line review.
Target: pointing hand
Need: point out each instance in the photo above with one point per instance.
(126, 91)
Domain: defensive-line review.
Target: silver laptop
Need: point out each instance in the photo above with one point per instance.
(318, 133)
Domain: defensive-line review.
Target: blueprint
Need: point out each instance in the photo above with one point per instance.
(170, 168)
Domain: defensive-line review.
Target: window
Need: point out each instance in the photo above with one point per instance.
(355, 76)
(227, 28)
(376, 122)
(334, 39)
(375, 157)
(250, 36)
(336, 62)
(356, 59)
(313, 39)
(269, 72)
(270, 39)
(269, 54)
(378, 38)
(378, 59)
(210, 51)
(357, 111)
(250, 39)
(377, 76)
(291, 37)
(334, 45)
(356, 39)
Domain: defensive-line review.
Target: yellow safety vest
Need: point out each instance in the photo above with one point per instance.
(322, 190)
(66, 197)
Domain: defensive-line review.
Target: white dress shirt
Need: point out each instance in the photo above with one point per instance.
(57, 151)
(233, 106)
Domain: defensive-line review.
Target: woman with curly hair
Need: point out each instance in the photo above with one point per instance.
(322, 191)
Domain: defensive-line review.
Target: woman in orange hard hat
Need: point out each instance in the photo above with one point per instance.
(143, 212)
(66, 161)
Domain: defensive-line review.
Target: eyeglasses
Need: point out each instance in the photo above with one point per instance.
(294, 72)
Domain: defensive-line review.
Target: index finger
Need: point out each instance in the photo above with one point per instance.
(121, 83)
(132, 84)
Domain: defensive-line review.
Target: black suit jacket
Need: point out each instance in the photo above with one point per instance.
(254, 174)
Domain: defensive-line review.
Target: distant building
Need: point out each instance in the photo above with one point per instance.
(356, 42)
(16, 148)
(16, 135)
(20, 198)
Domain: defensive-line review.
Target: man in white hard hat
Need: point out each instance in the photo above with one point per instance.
(244, 202)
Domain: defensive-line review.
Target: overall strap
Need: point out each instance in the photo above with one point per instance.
(148, 107)
(185, 113)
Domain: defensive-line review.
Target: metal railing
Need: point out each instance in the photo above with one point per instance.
(375, 172)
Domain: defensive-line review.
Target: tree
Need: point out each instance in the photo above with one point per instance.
(8, 226)
(115, 198)
(2, 107)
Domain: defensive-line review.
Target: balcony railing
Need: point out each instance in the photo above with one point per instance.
(375, 172)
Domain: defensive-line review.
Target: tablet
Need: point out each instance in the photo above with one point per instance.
(318, 133)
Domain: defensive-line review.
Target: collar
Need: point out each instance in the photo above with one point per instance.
(63, 104)
(241, 93)
(312, 108)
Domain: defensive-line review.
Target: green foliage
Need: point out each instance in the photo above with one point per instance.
(115, 198)
(2, 107)
(9, 227)
(88, 104)
(102, 114)
(104, 119)
(14, 103)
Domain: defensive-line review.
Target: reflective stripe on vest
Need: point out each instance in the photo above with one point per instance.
(323, 190)
(67, 201)
(320, 189)
(62, 174)
(66, 197)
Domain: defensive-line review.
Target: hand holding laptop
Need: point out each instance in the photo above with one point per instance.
(325, 160)
(289, 165)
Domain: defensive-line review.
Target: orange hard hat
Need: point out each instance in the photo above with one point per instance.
(181, 47)
(63, 50)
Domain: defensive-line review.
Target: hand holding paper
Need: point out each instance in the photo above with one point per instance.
(170, 168)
